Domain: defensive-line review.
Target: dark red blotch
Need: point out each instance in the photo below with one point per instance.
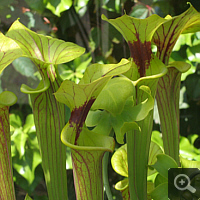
(78, 116)
(141, 54)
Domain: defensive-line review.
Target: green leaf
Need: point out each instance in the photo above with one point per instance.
(113, 97)
(150, 187)
(192, 25)
(19, 138)
(42, 48)
(59, 8)
(79, 98)
(112, 6)
(123, 112)
(15, 121)
(103, 126)
(138, 34)
(184, 39)
(141, 110)
(80, 4)
(28, 156)
(93, 118)
(119, 161)
(95, 71)
(185, 163)
(85, 94)
(157, 138)
(153, 152)
(121, 185)
(27, 197)
(9, 51)
(159, 180)
(26, 166)
(160, 192)
(187, 150)
(46, 52)
(163, 164)
(192, 139)
(193, 53)
(7, 98)
(120, 165)
(32, 140)
(167, 34)
(42, 87)
(180, 66)
(131, 28)
(156, 69)
(75, 69)
(29, 124)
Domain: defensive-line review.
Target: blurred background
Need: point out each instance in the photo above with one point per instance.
(79, 21)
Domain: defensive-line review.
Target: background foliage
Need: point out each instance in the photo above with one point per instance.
(79, 21)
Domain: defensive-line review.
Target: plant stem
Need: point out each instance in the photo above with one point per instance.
(105, 173)
(49, 120)
(138, 144)
(105, 176)
(168, 107)
(7, 191)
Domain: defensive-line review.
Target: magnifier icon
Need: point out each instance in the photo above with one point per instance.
(184, 183)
